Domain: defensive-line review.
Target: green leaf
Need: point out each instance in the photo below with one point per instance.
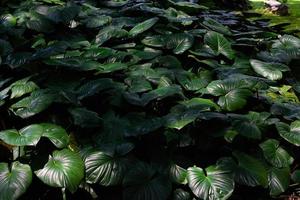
(21, 87)
(290, 133)
(158, 93)
(56, 134)
(188, 7)
(271, 71)
(85, 118)
(179, 42)
(276, 155)
(219, 44)
(154, 41)
(250, 125)
(213, 183)
(178, 174)
(296, 176)
(37, 102)
(233, 93)
(144, 182)
(250, 171)
(279, 180)
(27, 136)
(180, 194)
(14, 180)
(97, 21)
(143, 26)
(64, 169)
(109, 32)
(103, 168)
(216, 26)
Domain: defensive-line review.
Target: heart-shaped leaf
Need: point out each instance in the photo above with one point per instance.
(179, 42)
(37, 102)
(28, 136)
(276, 155)
(64, 169)
(103, 168)
(279, 180)
(233, 93)
(271, 71)
(56, 134)
(213, 183)
(14, 180)
(178, 174)
(219, 44)
(144, 182)
(290, 133)
(250, 171)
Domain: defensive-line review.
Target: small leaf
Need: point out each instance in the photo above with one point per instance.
(64, 169)
(14, 180)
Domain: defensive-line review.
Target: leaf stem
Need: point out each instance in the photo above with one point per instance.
(63, 191)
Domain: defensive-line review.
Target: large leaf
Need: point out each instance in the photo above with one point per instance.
(29, 136)
(250, 171)
(233, 93)
(211, 184)
(180, 194)
(14, 180)
(178, 174)
(218, 44)
(64, 169)
(271, 71)
(37, 102)
(290, 133)
(179, 42)
(158, 93)
(56, 134)
(216, 26)
(85, 118)
(103, 168)
(279, 180)
(275, 154)
(143, 26)
(144, 182)
(250, 125)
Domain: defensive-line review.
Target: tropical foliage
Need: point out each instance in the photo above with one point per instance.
(145, 100)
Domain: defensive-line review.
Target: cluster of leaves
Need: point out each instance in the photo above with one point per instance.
(162, 99)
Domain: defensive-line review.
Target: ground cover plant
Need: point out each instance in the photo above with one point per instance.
(145, 100)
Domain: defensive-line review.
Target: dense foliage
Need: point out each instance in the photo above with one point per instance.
(144, 100)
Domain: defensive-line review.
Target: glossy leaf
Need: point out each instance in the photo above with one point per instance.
(272, 71)
(275, 154)
(233, 94)
(290, 133)
(143, 26)
(214, 183)
(219, 44)
(28, 136)
(14, 180)
(64, 169)
(103, 168)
